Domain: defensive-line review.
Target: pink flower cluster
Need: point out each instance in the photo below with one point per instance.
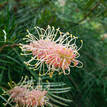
(25, 97)
(54, 48)
(53, 54)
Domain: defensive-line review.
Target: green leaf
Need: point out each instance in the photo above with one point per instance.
(60, 98)
(57, 101)
(89, 3)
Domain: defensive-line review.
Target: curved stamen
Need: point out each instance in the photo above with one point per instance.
(56, 52)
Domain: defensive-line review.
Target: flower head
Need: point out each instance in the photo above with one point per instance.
(54, 48)
(26, 94)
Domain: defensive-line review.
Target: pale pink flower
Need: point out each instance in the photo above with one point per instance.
(36, 97)
(57, 52)
(26, 95)
(18, 94)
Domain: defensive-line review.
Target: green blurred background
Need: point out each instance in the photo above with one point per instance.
(86, 19)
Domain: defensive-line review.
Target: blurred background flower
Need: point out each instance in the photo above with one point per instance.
(26, 94)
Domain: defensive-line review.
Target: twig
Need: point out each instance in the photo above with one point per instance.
(6, 45)
(75, 85)
(79, 91)
(88, 14)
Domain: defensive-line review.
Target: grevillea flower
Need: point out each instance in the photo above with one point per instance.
(54, 48)
(26, 94)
